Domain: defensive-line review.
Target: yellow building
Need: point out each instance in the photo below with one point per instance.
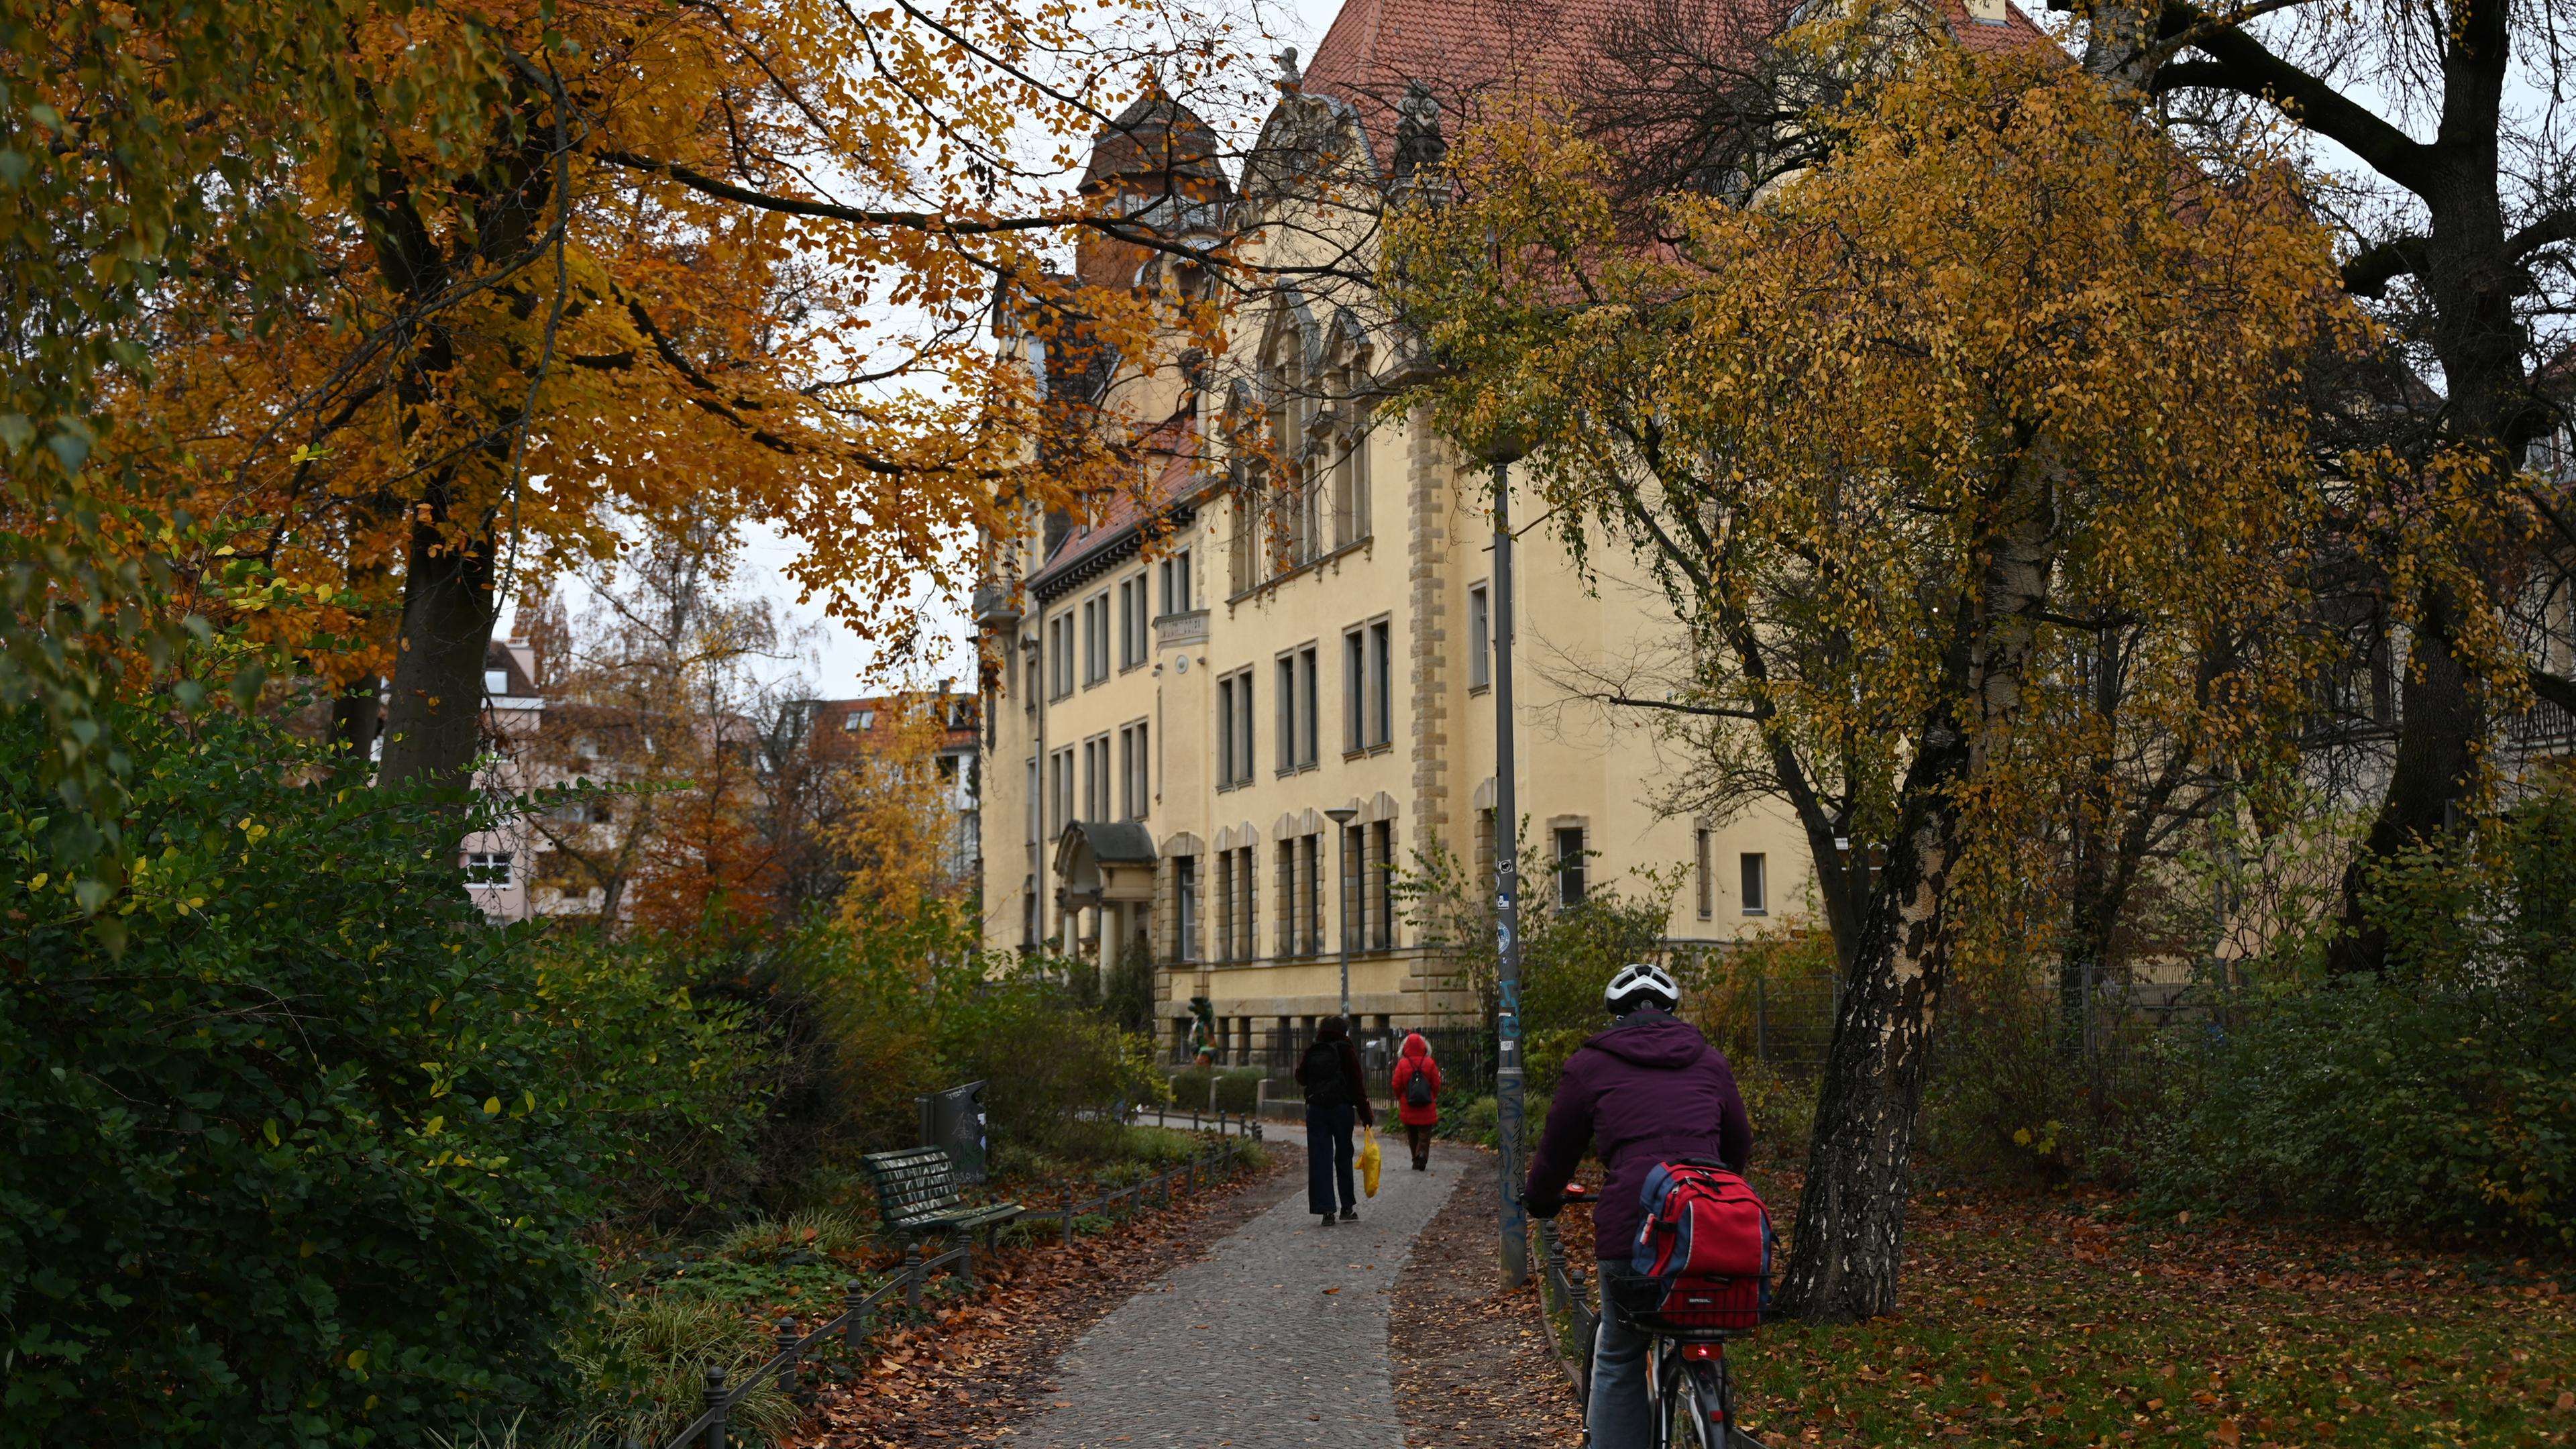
(1197, 677)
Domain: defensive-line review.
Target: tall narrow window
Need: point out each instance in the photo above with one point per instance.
(1246, 912)
(1185, 907)
(1285, 884)
(1037, 806)
(1287, 697)
(1757, 884)
(1381, 884)
(1354, 691)
(1225, 708)
(1362, 519)
(1144, 622)
(1354, 887)
(1133, 773)
(1163, 571)
(1480, 639)
(1181, 582)
(1312, 905)
(1126, 625)
(1569, 866)
(1225, 905)
(1381, 683)
(1243, 752)
(1705, 871)
(1063, 801)
(1306, 706)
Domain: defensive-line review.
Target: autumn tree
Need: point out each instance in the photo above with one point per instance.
(2459, 230)
(334, 316)
(2003, 361)
(654, 695)
(896, 835)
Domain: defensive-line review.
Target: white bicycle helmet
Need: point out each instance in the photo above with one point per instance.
(1640, 983)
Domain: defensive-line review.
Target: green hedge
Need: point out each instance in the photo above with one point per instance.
(295, 1153)
(2439, 1095)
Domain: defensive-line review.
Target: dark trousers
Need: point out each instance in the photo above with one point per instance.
(1328, 1158)
(1418, 1137)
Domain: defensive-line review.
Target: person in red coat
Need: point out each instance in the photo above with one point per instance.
(1418, 1116)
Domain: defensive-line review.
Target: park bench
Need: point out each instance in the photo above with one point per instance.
(917, 1193)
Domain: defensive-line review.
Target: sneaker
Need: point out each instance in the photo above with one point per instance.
(1328, 1220)
(1350, 1214)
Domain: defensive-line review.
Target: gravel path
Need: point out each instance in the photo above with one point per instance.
(1277, 1340)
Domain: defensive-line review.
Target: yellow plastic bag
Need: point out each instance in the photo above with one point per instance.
(1368, 1162)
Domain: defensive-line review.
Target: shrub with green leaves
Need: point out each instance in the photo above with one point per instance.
(2440, 1095)
(300, 1161)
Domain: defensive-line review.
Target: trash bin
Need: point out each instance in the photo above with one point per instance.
(954, 1120)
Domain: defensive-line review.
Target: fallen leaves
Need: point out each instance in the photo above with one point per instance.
(2058, 1322)
(989, 1362)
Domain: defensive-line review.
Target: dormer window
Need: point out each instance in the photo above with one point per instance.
(865, 719)
(496, 682)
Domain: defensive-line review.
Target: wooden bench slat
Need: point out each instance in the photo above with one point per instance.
(917, 1193)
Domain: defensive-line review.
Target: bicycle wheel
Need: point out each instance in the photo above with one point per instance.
(1694, 1411)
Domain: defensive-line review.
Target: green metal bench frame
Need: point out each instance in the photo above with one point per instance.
(917, 1194)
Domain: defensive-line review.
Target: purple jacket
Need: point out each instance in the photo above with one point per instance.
(1648, 1090)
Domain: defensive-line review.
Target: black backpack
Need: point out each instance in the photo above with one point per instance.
(1322, 1073)
(1417, 1090)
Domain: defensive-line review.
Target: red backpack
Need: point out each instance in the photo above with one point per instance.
(1704, 1248)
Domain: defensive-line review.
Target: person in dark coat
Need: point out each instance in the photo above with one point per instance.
(1336, 1096)
(1649, 1090)
(1413, 1063)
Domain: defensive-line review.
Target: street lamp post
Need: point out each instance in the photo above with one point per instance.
(1342, 816)
(1510, 1111)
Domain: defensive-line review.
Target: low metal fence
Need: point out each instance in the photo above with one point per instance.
(722, 1395)
(1566, 1309)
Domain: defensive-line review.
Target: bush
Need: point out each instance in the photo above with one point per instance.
(2440, 1095)
(910, 1007)
(293, 1147)
(1238, 1089)
(2010, 1099)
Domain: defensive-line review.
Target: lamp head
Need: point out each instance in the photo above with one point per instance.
(1341, 814)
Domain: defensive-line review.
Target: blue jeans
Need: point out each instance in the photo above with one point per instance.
(1619, 1415)
(1328, 1158)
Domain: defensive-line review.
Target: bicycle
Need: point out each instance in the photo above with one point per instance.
(1686, 1371)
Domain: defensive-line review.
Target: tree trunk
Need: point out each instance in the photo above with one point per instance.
(2436, 766)
(1850, 1239)
(355, 716)
(433, 725)
(1851, 1222)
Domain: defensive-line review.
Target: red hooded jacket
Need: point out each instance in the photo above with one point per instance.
(1416, 1058)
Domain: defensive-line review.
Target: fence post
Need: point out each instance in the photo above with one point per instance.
(788, 1344)
(854, 1318)
(912, 1276)
(715, 1403)
(1068, 1214)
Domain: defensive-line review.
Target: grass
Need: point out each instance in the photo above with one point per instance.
(2044, 1322)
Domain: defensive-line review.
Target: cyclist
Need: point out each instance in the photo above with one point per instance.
(1649, 1090)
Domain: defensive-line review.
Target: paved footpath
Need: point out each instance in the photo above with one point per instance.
(1275, 1340)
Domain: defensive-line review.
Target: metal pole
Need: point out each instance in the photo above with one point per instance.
(1507, 900)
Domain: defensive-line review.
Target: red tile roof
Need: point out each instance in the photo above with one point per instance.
(1460, 48)
(1178, 479)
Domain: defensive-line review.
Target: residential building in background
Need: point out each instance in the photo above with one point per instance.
(1193, 678)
